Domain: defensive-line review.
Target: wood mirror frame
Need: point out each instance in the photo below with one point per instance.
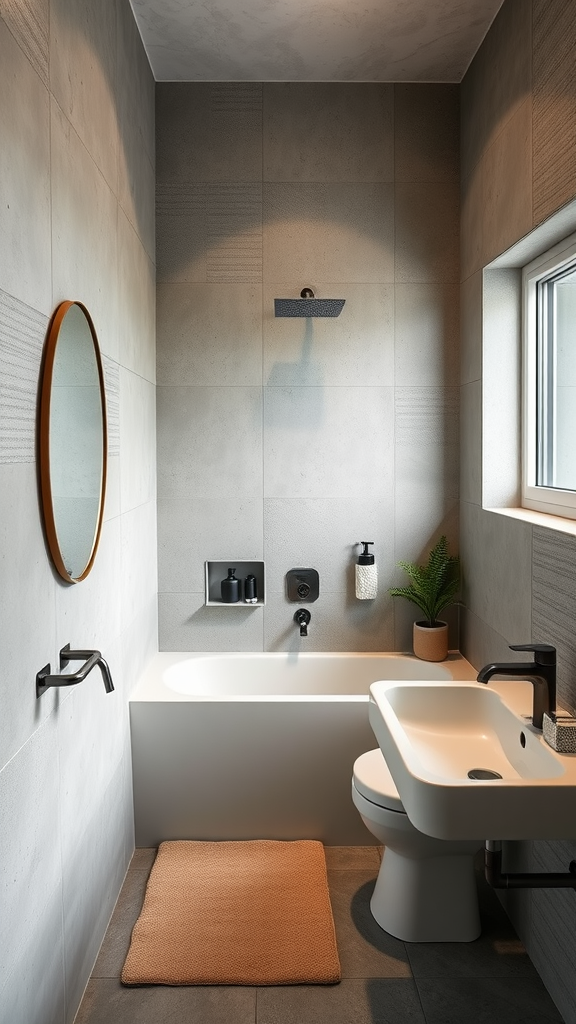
(46, 456)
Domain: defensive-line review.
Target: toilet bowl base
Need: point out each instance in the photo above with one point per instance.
(432, 899)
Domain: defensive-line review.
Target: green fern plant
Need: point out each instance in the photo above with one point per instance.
(433, 586)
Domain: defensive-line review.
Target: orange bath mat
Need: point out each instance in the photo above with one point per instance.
(235, 913)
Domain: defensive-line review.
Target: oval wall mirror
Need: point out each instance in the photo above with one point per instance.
(73, 441)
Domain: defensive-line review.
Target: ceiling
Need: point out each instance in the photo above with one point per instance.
(312, 40)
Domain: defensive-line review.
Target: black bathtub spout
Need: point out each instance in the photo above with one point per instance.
(302, 618)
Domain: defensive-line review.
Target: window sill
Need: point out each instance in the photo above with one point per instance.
(545, 519)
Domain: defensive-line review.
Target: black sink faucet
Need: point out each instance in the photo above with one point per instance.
(541, 673)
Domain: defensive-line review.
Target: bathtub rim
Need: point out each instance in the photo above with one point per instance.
(150, 686)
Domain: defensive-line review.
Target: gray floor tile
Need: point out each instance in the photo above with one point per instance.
(487, 957)
(486, 1001)
(365, 950)
(352, 858)
(392, 1001)
(498, 952)
(143, 858)
(108, 1002)
(117, 939)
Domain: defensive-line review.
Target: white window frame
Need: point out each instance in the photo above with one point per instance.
(552, 500)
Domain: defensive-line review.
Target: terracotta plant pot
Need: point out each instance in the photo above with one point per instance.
(430, 642)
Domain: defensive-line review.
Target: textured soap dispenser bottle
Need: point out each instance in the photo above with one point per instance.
(230, 588)
(366, 574)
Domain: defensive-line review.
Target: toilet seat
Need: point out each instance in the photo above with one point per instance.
(372, 779)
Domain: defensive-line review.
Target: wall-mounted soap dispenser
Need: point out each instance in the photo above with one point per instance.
(366, 574)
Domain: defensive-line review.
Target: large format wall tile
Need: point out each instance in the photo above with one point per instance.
(554, 124)
(192, 531)
(136, 85)
(22, 334)
(217, 451)
(332, 131)
(136, 144)
(83, 208)
(471, 442)
(479, 643)
(29, 22)
(208, 132)
(426, 334)
(209, 232)
(497, 571)
(210, 334)
(139, 560)
(137, 435)
(427, 232)
(506, 67)
(497, 82)
(426, 132)
(32, 957)
(136, 306)
(315, 441)
(551, 945)
(324, 533)
(94, 866)
(472, 121)
(28, 597)
(357, 347)
(328, 232)
(24, 178)
(82, 618)
(91, 726)
(471, 328)
(471, 222)
(338, 623)
(186, 624)
(136, 190)
(507, 184)
(426, 435)
(426, 472)
(83, 75)
(554, 604)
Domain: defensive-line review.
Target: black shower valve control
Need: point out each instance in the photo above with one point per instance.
(302, 585)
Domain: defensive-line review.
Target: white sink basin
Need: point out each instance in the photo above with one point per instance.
(433, 734)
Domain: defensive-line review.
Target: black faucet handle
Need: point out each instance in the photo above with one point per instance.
(544, 654)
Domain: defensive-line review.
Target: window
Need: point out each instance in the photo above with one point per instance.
(549, 371)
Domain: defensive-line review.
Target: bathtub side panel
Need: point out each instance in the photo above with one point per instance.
(247, 771)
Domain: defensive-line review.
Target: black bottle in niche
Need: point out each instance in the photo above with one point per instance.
(250, 590)
(230, 588)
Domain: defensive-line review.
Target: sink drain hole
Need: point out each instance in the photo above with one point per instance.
(483, 773)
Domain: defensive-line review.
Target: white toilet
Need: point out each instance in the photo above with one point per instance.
(426, 889)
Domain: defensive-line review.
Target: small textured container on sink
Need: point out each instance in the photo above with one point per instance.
(559, 731)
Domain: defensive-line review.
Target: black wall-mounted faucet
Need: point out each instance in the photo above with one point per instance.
(44, 680)
(541, 673)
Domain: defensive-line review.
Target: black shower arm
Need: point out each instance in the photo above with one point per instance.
(44, 681)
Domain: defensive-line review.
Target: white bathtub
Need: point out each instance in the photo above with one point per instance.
(245, 746)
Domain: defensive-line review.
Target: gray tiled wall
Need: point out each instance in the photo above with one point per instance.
(76, 222)
(518, 116)
(286, 439)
